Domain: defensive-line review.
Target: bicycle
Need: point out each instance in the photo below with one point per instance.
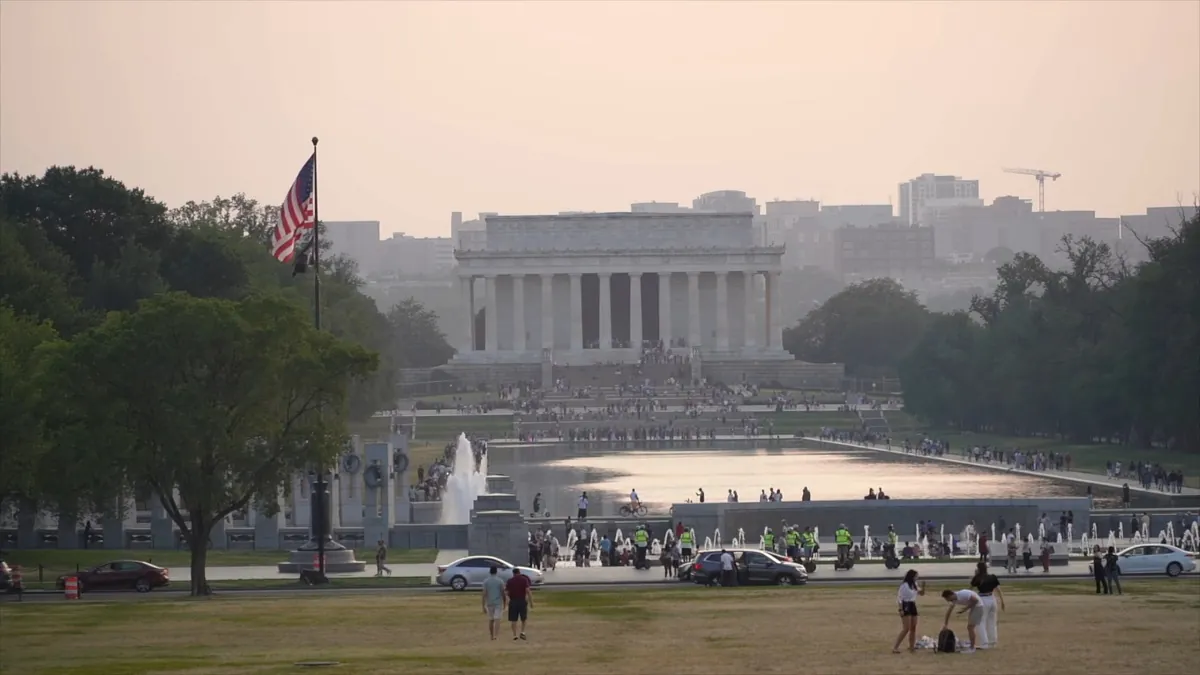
(639, 510)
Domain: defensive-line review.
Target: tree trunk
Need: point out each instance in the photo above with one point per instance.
(198, 543)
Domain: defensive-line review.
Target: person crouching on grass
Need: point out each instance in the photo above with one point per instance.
(906, 598)
(970, 603)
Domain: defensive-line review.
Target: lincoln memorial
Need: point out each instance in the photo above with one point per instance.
(593, 288)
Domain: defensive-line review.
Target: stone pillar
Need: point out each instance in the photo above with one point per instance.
(664, 308)
(518, 281)
(491, 315)
(68, 532)
(776, 313)
(113, 523)
(635, 310)
(335, 502)
(605, 310)
(750, 322)
(722, 311)
(378, 511)
(693, 309)
(547, 311)
(467, 340)
(266, 527)
(576, 312)
(162, 528)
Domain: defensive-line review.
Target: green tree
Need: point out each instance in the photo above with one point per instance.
(870, 326)
(36, 280)
(417, 340)
(211, 403)
(238, 214)
(22, 418)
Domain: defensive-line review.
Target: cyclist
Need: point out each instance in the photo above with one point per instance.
(634, 502)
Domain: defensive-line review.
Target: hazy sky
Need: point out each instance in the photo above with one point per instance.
(429, 107)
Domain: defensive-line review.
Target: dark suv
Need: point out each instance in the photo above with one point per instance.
(753, 567)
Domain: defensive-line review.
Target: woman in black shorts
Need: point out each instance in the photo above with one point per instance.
(906, 600)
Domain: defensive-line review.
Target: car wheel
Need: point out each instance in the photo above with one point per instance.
(458, 584)
(142, 586)
(784, 580)
(1174, 569)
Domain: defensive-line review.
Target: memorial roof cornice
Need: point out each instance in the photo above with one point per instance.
(464, 254)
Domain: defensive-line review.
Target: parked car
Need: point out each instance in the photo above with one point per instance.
(754, 566)
(120, 575)
(1156, 559)
(472, 570)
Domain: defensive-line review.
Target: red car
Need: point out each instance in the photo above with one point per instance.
(120, 575)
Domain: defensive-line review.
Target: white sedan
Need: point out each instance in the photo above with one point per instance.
(1156, 559)
(472, 570)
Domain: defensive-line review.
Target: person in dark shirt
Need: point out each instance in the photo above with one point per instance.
(520, 599)
(987, 585)
(1112, 570)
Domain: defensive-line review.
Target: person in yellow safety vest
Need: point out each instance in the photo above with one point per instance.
(809, 541)
(641, 540)
(792, 538)
(769, 541)
(844, 541)
(892, 539)
(685, 545)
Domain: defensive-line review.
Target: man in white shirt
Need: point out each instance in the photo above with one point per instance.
(583, 507)
(634, 500)
(727, 577)
(971, 604)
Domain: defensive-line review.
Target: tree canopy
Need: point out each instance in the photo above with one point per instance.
(1099, 350)
(167, 350)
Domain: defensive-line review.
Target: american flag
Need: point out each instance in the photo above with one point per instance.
(296, 214)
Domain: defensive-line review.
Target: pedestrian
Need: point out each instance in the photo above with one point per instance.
(969, 601)
(1099, 574)
(520, 600)
(583, 507)
(1112, 569)
(727, 578)
(665, 558)
(494, 601)
(906, 598)
(987, 585)
(1011, 542)
(381, 559)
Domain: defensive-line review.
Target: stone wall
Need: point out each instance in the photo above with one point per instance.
(752, 517)
(618, 231)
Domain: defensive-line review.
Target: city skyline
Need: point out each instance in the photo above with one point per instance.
(428, 108)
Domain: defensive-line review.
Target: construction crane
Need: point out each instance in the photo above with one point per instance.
(1041, 177)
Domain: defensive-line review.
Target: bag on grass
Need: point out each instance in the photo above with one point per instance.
(946, 643)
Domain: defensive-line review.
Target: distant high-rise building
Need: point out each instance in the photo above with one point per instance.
(924, 198)
(891, 250)
(355, 239)
(725, 201)
(657, 207)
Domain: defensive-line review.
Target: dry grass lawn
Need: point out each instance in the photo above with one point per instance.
(1048, 628)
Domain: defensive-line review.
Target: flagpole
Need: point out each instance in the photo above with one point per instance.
(319, 532)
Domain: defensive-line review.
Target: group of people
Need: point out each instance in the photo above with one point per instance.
(981, 602)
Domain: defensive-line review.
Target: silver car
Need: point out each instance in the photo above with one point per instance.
(472, 570)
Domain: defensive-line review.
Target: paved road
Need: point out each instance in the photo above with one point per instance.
(1189, 583)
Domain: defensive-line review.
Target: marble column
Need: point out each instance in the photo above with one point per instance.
(576, 313)
(635, 310)
(605, 311)
(518, 282)
(750, 322)
(693, 309)
(664, 308)
(776, 320)
(547, 311)
(723, 311)
(489, 329)
(467, 343)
